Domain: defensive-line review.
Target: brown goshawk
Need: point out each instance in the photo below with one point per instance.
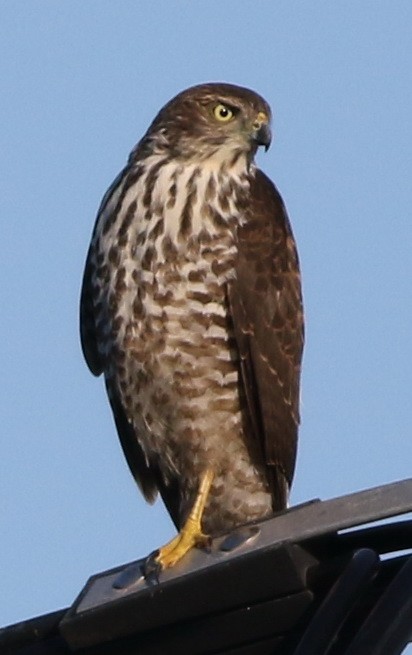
(191, 307)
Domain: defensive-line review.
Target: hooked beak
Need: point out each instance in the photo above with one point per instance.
(262, 134)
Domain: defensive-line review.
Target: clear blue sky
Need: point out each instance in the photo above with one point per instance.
(79, 83)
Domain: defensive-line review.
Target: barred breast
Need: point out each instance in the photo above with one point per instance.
(164, 251)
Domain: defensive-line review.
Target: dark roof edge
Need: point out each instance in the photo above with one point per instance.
(30, 631)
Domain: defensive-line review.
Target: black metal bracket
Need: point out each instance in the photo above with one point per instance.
(322, 578)
(266, 560)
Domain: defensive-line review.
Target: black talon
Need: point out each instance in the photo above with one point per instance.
(151, 568)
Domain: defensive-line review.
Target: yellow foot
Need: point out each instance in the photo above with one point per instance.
(189, 536)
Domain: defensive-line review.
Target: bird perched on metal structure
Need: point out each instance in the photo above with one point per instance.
(191, 307)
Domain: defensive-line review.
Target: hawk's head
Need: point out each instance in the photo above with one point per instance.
(210, 120)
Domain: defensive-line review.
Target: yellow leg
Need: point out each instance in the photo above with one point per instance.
(191, 533)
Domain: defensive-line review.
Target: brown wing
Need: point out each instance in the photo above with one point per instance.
(266, 305)
(87, 321)
(89, 335)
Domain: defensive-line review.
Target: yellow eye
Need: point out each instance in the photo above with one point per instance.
(222, 113)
